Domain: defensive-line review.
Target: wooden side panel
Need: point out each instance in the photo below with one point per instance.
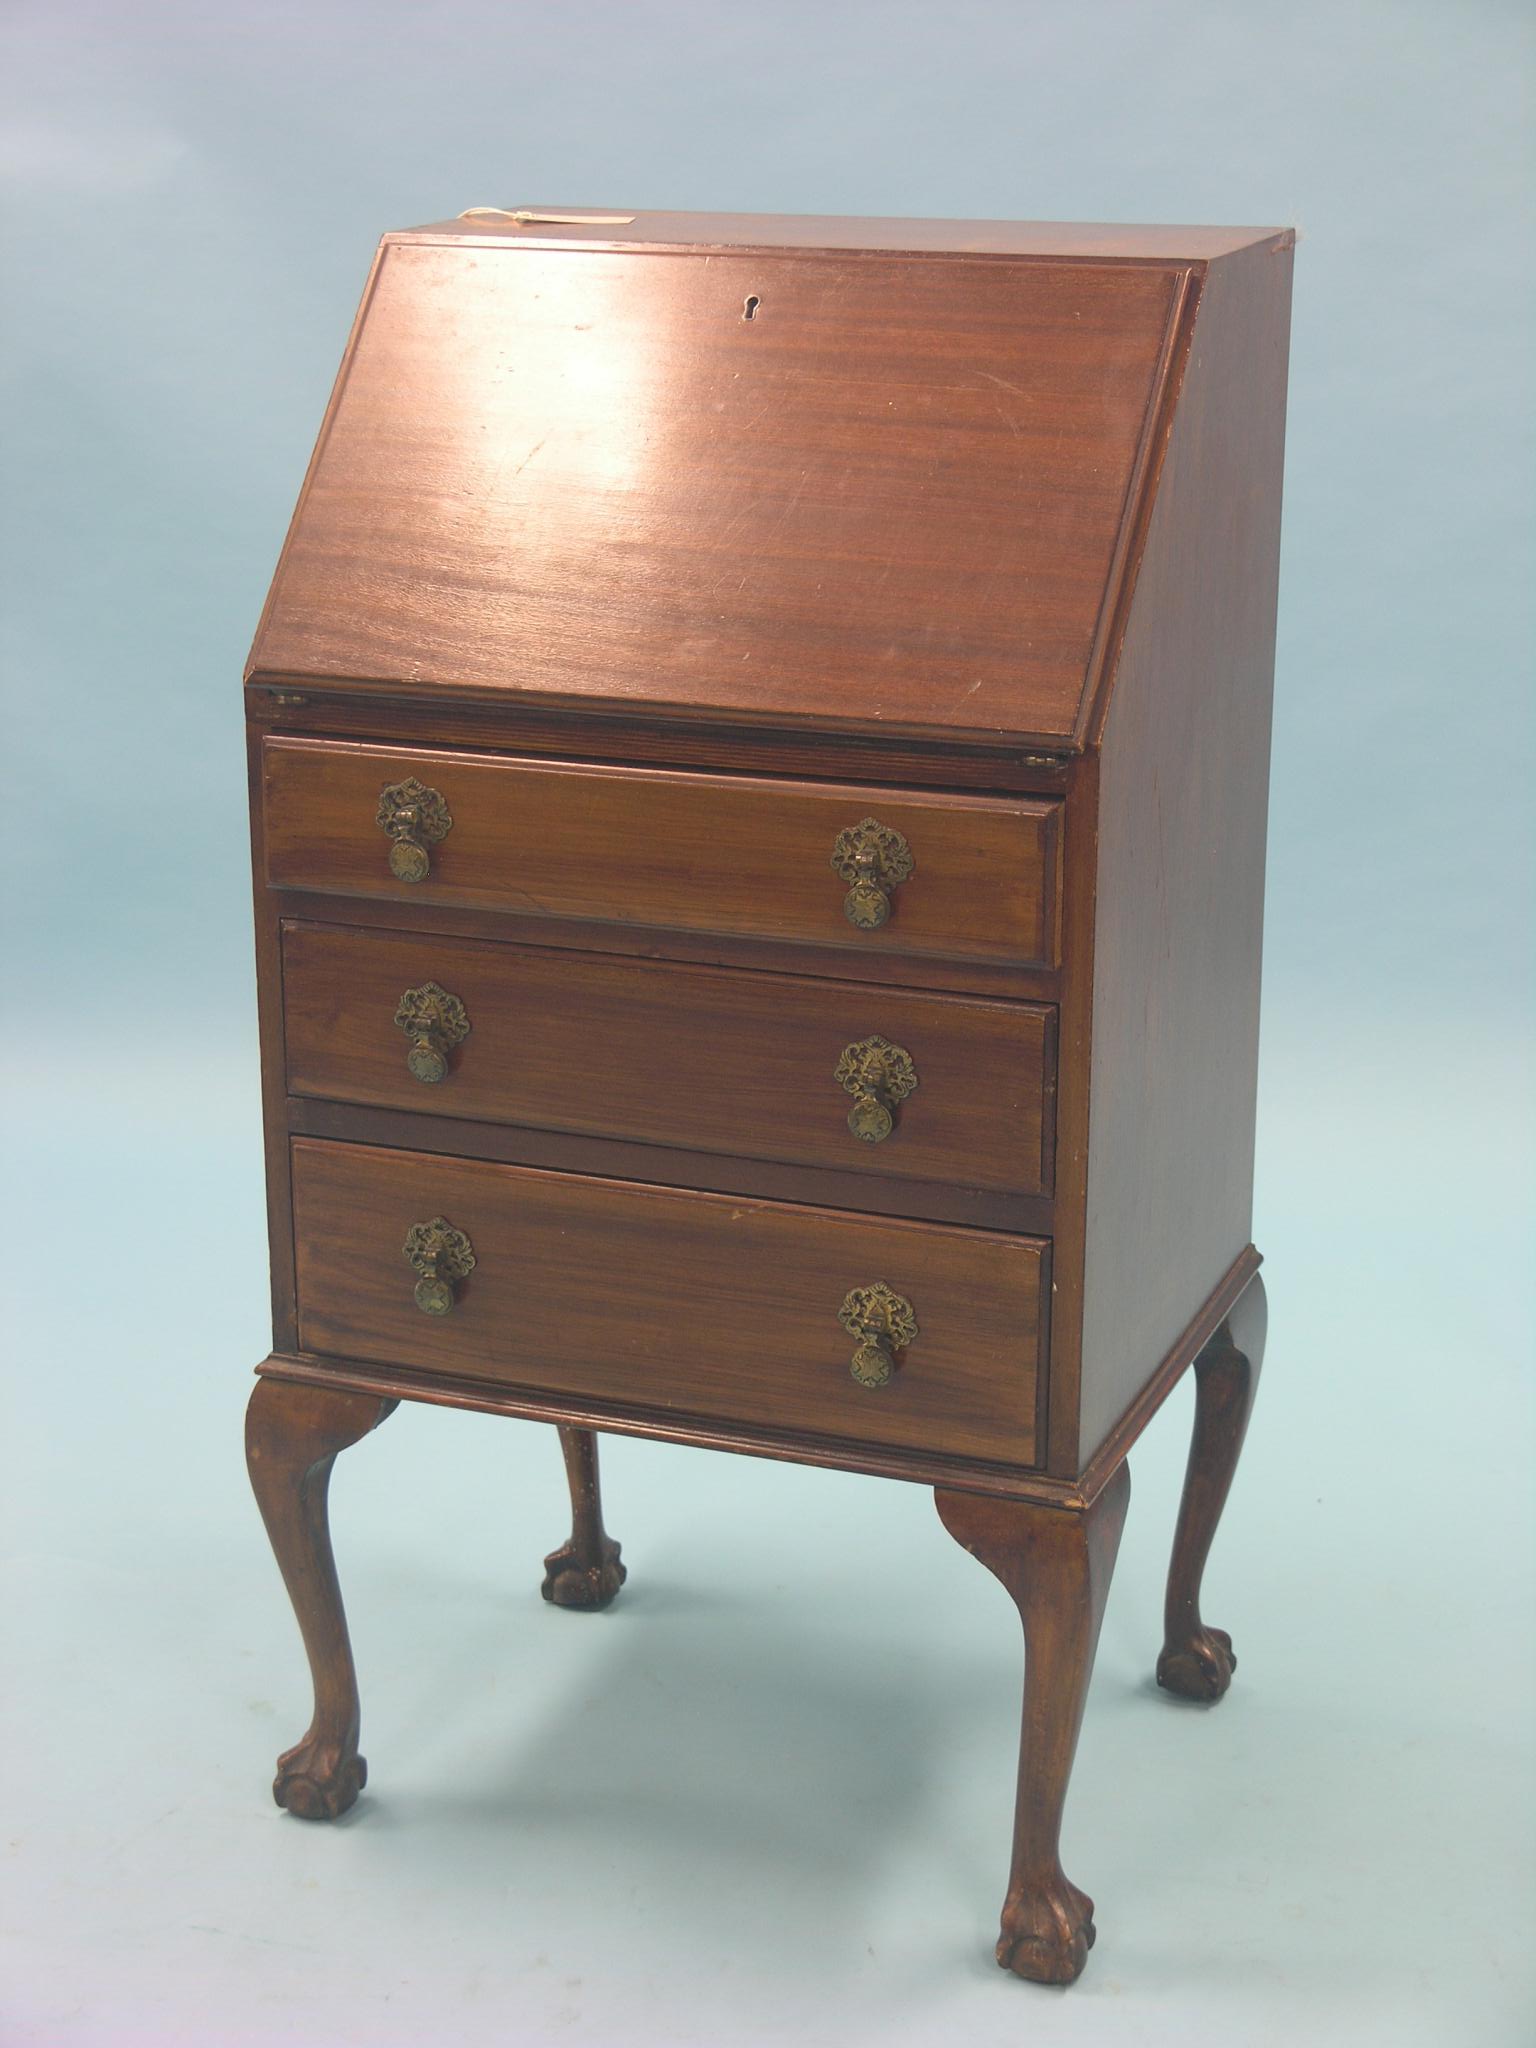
(890, 499)
(1183, 798)
(700, 1057)
(691, 852)
(709, 1304)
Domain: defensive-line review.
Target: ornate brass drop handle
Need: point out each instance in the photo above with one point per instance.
(884, 1324)
(416, 818)
(435, 1022)
(441, 1255)
(878, 1075)
(872, 859)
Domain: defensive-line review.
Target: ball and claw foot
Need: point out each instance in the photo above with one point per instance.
(571, 1581)
(317, 1782)
(1200, 1669)
(1047, 1933)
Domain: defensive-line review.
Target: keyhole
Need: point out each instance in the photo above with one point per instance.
(749, 310)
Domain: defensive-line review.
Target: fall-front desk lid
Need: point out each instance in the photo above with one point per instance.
(884, 476)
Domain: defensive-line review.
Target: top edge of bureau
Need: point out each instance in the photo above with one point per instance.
(843, 235)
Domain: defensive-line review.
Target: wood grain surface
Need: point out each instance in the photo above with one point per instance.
(744, 855)
(705, 1058)
(709, 1304)
(670, 1166)
(890, 499)
(1182, 814)
(470, 718)
(433, 918)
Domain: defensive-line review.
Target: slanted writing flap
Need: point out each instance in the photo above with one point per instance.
(882, 492)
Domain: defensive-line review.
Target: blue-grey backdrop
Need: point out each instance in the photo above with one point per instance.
(192, 195)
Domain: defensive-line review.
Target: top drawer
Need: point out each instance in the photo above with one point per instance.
(950, 877)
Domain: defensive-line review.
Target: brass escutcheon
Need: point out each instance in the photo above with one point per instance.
(416, 818)
(884, 1323)
(435, 1022)
(878, 1075)
(441, 1255)
(872, 859)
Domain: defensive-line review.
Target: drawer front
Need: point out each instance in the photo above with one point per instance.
(700, 1304)
(705, 853)
(706, 1059)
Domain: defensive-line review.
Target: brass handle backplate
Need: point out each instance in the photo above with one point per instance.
(441, 1255)
(878, 1075)
(884, 1324)
(872, 859)
(416, 818)
(435, 1022)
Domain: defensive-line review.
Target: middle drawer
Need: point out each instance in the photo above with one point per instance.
(711, 1059)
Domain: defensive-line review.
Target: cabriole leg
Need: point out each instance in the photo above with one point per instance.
(585, 1572)
(292, 1436)
(1197, 1662)
(1057, 1564)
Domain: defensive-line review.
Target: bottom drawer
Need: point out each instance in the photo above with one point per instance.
(658, 1298)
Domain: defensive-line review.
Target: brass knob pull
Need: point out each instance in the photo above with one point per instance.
(878, 1075)
(872, 859)
(884, 1324)
(435, 1022)
(441, 1255)
(416, 818)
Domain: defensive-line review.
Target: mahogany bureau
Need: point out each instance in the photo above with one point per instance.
(759, 747)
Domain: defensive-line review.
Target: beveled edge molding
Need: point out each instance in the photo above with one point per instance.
(285, 692)
(363, 709)
(848, 1454)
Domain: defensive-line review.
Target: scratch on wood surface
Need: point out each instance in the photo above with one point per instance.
(530, 455)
